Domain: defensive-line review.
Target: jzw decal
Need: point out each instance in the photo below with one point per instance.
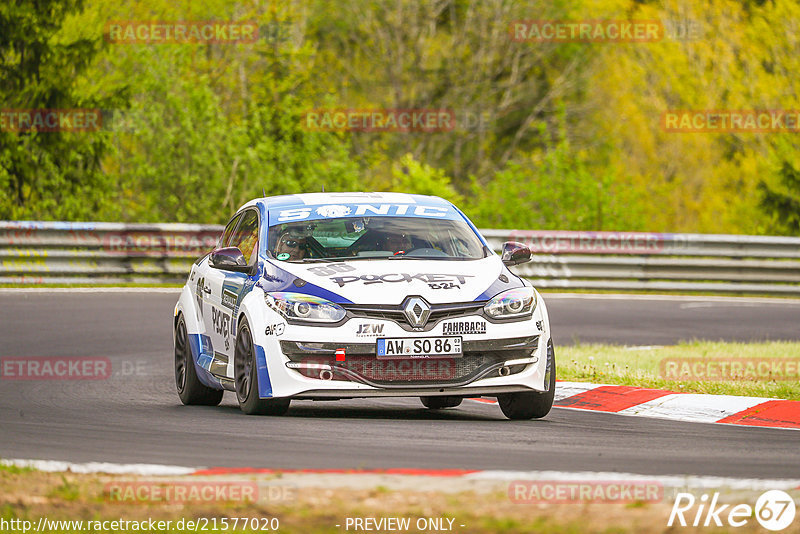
(222, 322)
(228, 299)
(401, 277)
(274, 329)
(464, 327)
(327, 270)
(369, 329)
(298, 214)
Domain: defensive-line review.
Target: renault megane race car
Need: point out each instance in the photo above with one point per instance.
(349, 295)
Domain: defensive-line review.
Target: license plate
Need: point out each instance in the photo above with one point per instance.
(418, 347)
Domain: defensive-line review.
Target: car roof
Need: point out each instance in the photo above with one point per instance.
(316, 199)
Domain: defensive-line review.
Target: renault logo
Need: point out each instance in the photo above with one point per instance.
(416, 311)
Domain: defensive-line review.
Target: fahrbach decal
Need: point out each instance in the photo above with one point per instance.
(464, 327)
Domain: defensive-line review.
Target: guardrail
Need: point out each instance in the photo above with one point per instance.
(101, 253)
(662, 262)
(114, 253)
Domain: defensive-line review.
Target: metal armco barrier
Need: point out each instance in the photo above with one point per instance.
(113, 253)
(661, 262)
(100, 253)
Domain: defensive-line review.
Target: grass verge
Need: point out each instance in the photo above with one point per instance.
(28, 495)
(643, 367)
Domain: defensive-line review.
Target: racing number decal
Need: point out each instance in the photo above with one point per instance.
(199, 290)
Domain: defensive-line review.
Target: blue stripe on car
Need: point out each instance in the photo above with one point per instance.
(281, 280)
(498, 287)
(264, 384)
(202, 360)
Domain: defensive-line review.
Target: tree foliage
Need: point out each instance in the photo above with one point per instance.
(546, 135)
(44, 174)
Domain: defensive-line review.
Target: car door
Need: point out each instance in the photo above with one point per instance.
(200, 273)
(217, 317)
(227, 288)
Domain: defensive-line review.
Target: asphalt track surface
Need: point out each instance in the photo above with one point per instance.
(136, 417)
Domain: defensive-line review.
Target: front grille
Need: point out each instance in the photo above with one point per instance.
(418, 371)
(439, 312)
(411, 372)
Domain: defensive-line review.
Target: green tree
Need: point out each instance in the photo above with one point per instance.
(215, 124)
(558, 188)
(411, 176)
(48, 175)
(781, 200)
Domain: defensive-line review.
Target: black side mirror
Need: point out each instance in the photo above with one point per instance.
(229, 259)
(515, 253)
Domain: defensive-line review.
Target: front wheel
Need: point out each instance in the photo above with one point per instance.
(245, 369)
(532, 404)
(190, 390)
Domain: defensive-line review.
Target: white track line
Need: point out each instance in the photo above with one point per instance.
(694, 407)
(102, 467)
(669, 481)
(565, 390)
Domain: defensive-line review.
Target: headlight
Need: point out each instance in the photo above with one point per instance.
(302, 307)
(513, 303)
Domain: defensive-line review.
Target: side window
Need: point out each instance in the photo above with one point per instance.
(246, 235)
(225, 238)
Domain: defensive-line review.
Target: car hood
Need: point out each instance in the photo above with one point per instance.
(390, 281)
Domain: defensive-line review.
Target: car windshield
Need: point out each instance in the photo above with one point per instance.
(374, 237)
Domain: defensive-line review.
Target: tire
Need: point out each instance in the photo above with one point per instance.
(531, 404)
(190, 390)
(437, 403)
(244, 366)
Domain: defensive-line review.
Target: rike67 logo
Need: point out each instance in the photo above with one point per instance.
(774, 510)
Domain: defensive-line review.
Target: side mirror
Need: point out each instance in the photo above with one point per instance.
(229, 259)
(515, 253)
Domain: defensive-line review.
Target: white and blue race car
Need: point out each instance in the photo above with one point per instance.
(349, 295)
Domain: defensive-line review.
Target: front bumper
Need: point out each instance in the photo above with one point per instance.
(480, 359)
(300, 361)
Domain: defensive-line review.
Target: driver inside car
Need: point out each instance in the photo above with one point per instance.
(398, 243)
(291, 246)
